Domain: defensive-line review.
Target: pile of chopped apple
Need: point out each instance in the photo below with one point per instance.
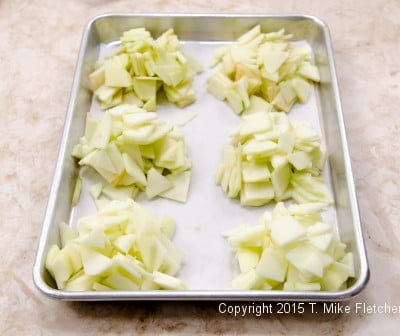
(134, 72)
(291, 249)
(265, 65)
(271, 158)
(122, 247)
(133, 150)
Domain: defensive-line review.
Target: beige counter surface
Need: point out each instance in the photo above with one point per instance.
(39, 41)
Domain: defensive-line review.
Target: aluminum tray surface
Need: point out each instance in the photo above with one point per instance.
(209, 265)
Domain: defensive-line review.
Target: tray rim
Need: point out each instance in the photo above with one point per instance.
(203, 295)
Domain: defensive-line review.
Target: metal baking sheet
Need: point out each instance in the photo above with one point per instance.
(209, 266)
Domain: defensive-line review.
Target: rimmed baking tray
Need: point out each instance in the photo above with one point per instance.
(200, 222)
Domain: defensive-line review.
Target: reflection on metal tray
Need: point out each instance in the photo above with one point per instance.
(208, 267)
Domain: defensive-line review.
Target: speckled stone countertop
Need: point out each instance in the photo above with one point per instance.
(39, 41)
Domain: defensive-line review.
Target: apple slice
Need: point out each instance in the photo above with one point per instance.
(256, 194)
(156, 183)
(180, 187)
(248, 280)
(272, 265)
(168, 282)
(116, 76)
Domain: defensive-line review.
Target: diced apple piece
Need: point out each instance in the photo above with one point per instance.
(253, 172)
(336, 249)
(286, 142)
(66, 233)
(309, 189)
(248, 258)
(124, 243)
(95, 238)
(180, 187)
(247, 280)
(156, 183)
(280, 179)
(257, 104)
(159, 132)
(250, 35)
(259, 148)
(310, 71)
(286, 230)
(61, 268)
(279, 160)
(105, 93)
(97, 78)
(168, 282)
(81, 283)
(150, 105)
(134, 170)
(302, 89)
(248, 236)
(120, 282)
(308, 209)
(53, 251)
(235, 100)
(165, 150)
(118, 193)
(272, 265)
(318, 157)
(94, 263)
(132, 99)
(280, 103)
(115, 100)
(116, 76)
(255, 123)
(300, 160)
(77, 191)
(334, 277)
(256, 194)
(90, 126)
(318, 228)
(181, 95)
(129, 265)
(218, 84)
(289, 286)
(321, 241)
(287, 92)
(136, 119)
(102, 134)
(145, 88)
(241, 86)
(273, 60)
(310, 259)
(348, 260)
(72, 250)
(152, 252)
